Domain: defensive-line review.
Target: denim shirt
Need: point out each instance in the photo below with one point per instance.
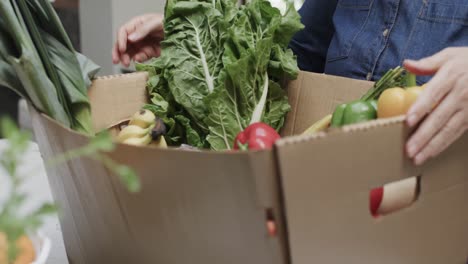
(362, 39)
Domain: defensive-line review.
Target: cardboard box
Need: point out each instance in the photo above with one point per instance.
(206, 207)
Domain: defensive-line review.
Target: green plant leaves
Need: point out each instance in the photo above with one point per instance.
(38, 62)
(220, 68)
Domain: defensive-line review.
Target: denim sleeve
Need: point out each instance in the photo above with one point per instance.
(311, 44)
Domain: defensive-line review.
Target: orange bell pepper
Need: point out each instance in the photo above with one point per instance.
(397, 101)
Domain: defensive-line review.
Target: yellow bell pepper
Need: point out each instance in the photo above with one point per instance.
(397, 101)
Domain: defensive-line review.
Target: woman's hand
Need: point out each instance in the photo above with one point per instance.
(443, 104)
(139, 39)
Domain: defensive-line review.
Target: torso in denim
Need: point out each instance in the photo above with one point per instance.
(362, 39)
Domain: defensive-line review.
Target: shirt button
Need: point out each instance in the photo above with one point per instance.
(385, 33)
(369, 76)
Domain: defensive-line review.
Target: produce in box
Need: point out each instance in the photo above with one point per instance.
(256, 136)
(397, 101)
(143, 129)
(220, 70)
(38, 61)
(391, 96)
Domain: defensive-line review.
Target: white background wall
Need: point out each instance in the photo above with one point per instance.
(99, 22)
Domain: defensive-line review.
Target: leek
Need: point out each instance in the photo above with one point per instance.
(38, 61)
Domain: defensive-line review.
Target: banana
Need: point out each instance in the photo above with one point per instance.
(132, 131)
(138, 141)
(319, 125)
(144, 129)
(161, 142)
(143, 118)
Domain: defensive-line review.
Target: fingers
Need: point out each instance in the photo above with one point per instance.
(146, 53)
(115, 54)
(445, 98)
(452, 130)
(126, 59)
(126, 30)
(123, 37)
(430, 65)
(435, 90)
(153, 24)
(432, 125)
(136, 31)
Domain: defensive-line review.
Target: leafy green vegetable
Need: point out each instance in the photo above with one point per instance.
(220, 68)
(38, 61)
(27, 63)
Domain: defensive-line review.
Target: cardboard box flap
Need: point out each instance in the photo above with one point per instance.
(313, 96)
(116, 98)
(326, 183)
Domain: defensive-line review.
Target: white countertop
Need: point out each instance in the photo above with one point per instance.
(37, 187)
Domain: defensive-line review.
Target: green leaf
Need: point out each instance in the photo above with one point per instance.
(195, 48)
(222, 121)
(159, 104)
(153, 81)
(52, 75)
(277, 106)
(45, 209)
(19, 140)
(43, 54)
(7, 128)
(38, 87)
(28, 66)
(8, 78)
(290, 24)
(174, 135)
(191, 135)
(47, 19)
(128, 177)
(220, 69)
(283, 64)
(89, 69)
(68, 70)
(102, 142)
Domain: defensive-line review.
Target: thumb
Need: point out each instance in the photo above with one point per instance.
(429, 65)
(146, 28)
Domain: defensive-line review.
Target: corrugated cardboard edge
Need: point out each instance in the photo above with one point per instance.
(308, 170)
(291, 140)
(82, 212)
(435, 185)
(263, 189)
(294, 97)
(108, 106)
(316, 88)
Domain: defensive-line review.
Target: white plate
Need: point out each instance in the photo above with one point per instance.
(42, 245)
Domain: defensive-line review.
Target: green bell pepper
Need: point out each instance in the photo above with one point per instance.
(354, 112)
(337, 117)
(365, 109)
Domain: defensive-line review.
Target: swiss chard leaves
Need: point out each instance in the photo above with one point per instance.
(220, 68)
